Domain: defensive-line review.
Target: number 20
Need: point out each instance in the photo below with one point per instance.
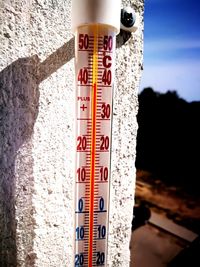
(104, 143)
(79, 259)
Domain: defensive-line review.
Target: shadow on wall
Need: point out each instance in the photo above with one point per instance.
(19, 101)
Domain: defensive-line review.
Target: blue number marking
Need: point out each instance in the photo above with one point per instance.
(101, 204)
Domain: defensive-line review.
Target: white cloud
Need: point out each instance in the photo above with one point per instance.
(184, 77)
(159, 45)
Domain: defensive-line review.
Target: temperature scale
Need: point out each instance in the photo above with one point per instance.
(94, 64)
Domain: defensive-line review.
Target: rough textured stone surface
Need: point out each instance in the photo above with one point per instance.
(37, 133)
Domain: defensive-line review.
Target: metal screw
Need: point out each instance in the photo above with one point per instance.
(128, 17)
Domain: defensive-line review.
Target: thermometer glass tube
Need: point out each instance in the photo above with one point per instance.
(94, 65)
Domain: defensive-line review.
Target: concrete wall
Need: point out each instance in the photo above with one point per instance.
(37, 133)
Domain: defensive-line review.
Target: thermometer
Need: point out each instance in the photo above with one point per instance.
(95, 24)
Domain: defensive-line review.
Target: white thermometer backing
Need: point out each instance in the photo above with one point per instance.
(94, 63)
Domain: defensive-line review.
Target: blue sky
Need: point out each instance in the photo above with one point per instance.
(172, 47)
